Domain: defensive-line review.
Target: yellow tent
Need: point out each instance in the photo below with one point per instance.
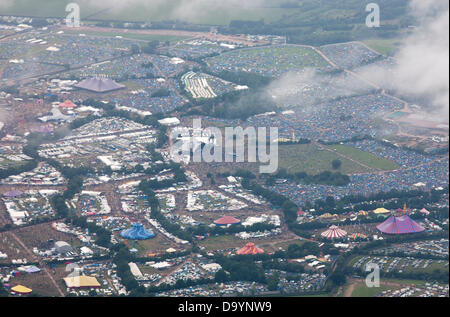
(20, 289)
(326, 215)
(381, 211)
(81, 282)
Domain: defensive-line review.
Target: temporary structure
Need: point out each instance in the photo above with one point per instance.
(249, 248)
(67, 105)
(20, 289)
(137, 232)
(400, 225)
(424, 211)
(81, 281)
(13, 193)
(334, 232)
(226, 220)
(355, 236)
(100, 85)
(381, 211)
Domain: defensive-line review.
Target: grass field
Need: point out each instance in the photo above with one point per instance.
(221, 242)
(361, 290)
(366, 158)
(311, 159)
(385, 47)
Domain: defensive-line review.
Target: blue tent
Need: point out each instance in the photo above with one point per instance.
(33, 269)
(137, 232)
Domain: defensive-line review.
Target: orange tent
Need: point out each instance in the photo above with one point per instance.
(67, 104)
(249, 248)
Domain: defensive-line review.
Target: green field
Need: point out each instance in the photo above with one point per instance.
(311, 159)
(361, 290)
(222, 242)
(366, 158)
(385, 47)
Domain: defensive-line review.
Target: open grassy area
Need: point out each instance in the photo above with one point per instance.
(366, 158)
(222, 242)
(361, 290)
(385, 47)
(311, 159)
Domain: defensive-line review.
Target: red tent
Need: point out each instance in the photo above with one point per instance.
(249, 248)
(226, 220)
(67, 105)
(400, 225)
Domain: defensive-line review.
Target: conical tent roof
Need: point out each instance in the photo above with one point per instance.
(13, 193)
(334, 232)
(249, 248)
(400, 225)
(226, 220)
(137, 232)
(20, 289)
(98, 84)
(67, 104)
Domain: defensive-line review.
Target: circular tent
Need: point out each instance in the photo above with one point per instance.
(400, 225)
(249, 248)
(20, 289)
(99, 85)
(137, 232)
(358, 236)
(226, 220)
(381, 211)
(13, 193)
(334, 232)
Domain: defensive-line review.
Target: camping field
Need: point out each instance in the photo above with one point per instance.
(132, 36)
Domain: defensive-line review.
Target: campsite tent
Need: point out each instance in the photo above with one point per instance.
(400, 225)
(137, 232)
(424, 211)
(334, 232)
(249, 248)
(100, 85)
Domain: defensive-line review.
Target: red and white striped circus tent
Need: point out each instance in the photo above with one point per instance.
(250, 248)
(334, 232)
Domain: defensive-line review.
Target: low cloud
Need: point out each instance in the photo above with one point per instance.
(422, 62)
